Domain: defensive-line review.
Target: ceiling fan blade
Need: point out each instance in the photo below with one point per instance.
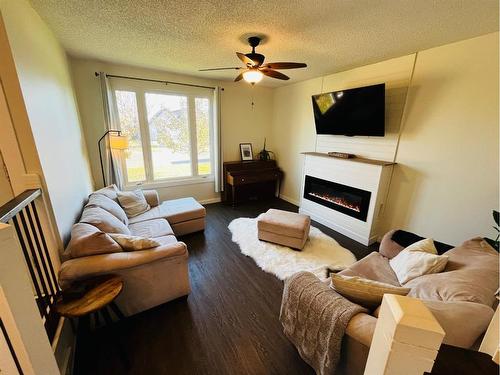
(206, 70)
(239, 77)
(246, 60)
(274, 74)
(284, 65)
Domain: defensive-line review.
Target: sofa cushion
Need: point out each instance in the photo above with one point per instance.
(87, 240)
(109, 191)
(471, 274)
(133, 243)
(411, 263)
(133, 202)
(151, 197)
(365, 292)
(175, 211)
(451, 317)
(388, 247)
(102, 201)
(151, 228)
(284, 223)
(374, 267)
(103, 220)
(166, 240)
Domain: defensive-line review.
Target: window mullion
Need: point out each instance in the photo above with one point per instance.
(145, 138)
(192, 135)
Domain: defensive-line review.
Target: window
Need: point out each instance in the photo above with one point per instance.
(170, 133)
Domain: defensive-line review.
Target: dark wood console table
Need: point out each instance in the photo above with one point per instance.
(250, 179)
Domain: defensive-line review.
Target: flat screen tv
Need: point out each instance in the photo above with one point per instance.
(359, 111)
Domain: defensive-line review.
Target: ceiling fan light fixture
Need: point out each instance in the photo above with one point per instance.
(253, 76)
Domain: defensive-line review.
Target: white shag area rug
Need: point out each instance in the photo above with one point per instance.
(320, 251)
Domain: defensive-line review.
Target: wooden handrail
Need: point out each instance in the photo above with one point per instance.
(17, 204)
(22, 214)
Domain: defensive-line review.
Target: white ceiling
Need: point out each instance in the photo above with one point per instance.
(329, 35)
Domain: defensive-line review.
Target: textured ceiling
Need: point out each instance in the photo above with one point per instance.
(329, 35)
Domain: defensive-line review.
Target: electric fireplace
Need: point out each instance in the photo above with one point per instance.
(346, 199)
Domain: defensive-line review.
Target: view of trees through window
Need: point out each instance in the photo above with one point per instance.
(169, 131)
(129, 124)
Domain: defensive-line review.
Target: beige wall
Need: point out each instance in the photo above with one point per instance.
(239, 122)
(48, 95)
(446, 183)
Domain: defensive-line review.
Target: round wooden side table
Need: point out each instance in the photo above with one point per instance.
(91, 296)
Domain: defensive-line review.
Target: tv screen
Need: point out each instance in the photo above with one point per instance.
(359, 111)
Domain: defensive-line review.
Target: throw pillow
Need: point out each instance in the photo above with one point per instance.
(132, 243)
(133, 202)
(108, 191)
(426, 245)
(365, 292)
(103, 220)
(87, 240)
(411, 263)
(102, 201)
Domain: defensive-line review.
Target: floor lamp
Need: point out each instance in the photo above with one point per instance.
(116, 141)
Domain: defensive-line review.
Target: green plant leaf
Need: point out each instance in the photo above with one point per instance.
(496, 217)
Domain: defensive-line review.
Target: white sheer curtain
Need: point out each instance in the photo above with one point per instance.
(113, 171)
(218, 155)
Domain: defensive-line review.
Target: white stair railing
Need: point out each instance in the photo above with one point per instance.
(20, 315)
(406, 340)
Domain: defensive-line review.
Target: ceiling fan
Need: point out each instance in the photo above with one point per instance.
(255, 68)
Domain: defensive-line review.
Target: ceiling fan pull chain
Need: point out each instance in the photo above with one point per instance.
(253, 104)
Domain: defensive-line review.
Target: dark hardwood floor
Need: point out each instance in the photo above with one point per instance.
(228, 324)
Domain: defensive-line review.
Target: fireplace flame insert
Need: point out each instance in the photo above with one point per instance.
(346, 199)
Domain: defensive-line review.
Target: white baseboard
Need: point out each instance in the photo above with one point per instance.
(210, 201)
(290, 200)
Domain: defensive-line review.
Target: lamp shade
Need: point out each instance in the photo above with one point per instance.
(118, 142)
(253, 76)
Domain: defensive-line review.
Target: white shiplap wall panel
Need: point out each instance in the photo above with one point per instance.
(382, 148)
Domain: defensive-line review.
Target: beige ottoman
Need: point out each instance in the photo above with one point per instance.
(284, 228)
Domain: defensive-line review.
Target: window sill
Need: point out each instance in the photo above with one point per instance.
(170, 183)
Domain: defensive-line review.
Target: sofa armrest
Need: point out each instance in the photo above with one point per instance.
(152, 197)
(361, 328)
(84, 267)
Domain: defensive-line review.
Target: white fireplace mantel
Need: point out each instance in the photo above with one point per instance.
(366, 174)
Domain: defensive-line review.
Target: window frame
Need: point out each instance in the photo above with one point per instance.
(141, 89)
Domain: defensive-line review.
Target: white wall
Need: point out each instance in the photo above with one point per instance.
(240, 123)
(446, 183)
(47, 89)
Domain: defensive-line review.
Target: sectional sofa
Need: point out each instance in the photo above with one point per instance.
(462, 297)
(152, 276)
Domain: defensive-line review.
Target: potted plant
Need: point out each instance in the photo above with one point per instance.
(494, 243)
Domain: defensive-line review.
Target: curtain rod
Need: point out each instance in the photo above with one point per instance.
(156, 80)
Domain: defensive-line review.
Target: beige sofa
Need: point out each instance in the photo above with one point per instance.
(463, 293)
(152, 276)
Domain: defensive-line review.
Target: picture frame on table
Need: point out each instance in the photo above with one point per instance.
(246, 151)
